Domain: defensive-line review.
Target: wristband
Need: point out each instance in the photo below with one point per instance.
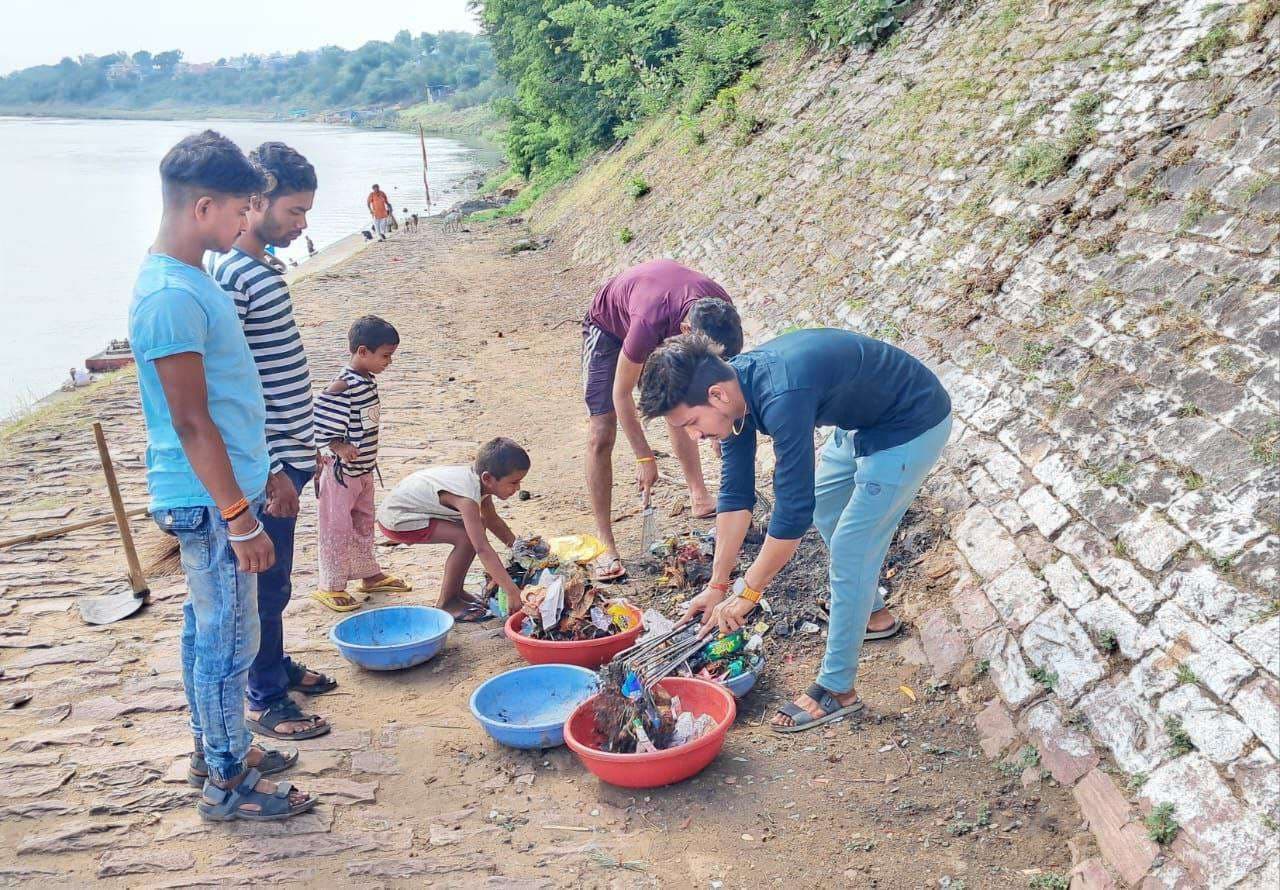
(230, 513)
(642, 460)
(722, 586)
(744, 590)
(240, 539)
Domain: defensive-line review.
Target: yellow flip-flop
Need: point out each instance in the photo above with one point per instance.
(337, 600)
(389, 584)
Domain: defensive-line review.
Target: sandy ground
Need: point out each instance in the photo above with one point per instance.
(413, 792)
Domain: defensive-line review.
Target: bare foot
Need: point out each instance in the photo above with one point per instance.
(812, 708)
(881, 619)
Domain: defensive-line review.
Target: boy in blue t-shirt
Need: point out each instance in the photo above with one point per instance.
(207, 467)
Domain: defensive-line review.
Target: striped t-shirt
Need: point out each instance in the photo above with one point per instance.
(351, 416)
(262, 300)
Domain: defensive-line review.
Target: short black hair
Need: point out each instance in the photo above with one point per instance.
(208, 163)
(501, 457)
(719, 320)
(285, 170)
(679, 372)
(375, 185)
(371, 332)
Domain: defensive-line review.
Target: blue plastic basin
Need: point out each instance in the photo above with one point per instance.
(744, 682)
(528, 707)
(392, 638)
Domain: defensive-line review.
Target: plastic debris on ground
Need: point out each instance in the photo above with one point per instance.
(560, 602)
(646, 720)
(685, 560)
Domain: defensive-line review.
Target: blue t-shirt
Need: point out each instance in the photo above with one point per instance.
(177, 308)
(821, 377)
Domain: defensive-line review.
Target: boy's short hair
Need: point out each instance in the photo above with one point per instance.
(501, 457)
(208, 163)
(719, 320)
(679, 372)
(371, 332)
(286, 171)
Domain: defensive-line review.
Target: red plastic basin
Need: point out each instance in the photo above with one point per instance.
(583, 653)
(657, 768)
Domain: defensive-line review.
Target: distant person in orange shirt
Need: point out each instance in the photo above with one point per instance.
(380, 206)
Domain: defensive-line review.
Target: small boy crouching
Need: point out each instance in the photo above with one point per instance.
(454, 505)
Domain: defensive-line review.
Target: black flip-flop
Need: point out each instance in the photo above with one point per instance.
(298, 671)
(286, 710)
(891, 631)
(802, 720)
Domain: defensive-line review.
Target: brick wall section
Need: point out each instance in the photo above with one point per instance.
(1108, 334)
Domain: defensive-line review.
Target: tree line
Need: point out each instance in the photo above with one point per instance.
(586, 72)
(456, 65)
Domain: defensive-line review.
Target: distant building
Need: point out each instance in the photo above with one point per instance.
(123, 70)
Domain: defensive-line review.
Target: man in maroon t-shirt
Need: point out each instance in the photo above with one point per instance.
(629, 317)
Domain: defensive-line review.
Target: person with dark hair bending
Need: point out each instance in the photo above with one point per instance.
(629, 317)
(277, 217)
(208, 468)
(454, 506)
(892, 418)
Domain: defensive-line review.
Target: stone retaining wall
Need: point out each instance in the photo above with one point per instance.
(1070, 210)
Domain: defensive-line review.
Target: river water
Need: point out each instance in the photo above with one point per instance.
(82, 202)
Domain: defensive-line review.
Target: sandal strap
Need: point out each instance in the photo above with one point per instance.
(824, 699)
(799, 716)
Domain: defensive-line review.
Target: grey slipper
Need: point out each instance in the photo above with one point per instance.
(802, 719)
(890, 631)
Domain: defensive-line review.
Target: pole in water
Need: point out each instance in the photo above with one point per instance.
(422, 140)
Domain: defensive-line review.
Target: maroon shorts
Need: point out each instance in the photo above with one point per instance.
(600, 351)
(416, 536)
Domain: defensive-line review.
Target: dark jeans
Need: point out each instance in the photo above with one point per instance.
(269, 675)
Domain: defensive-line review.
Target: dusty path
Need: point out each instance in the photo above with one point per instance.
(413, 791)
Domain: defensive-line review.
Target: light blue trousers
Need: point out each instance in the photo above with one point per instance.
(860, 501)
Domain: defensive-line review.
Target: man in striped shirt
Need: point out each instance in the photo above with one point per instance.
(347, 419)
(261, 295)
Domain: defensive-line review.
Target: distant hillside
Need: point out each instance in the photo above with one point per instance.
(450, 65)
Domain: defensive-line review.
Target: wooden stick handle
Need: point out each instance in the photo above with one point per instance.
(61, 530)
(136, 579)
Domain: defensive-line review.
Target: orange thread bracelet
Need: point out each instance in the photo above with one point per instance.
(235, 509)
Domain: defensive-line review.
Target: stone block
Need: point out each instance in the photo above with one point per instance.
(1058, 473)
(1066, 752)
(1214, 522)
(1026, 438)
(1260, 564)
(1155, 674)
(1218, 735)
(995, 729)
(1258, 776)
(1214, 662)
(1068, 584)
(973, 607)
(983, 487)
(1265, 878)
(1018, 596)
(1204, 594)
(943, 644)
(1104, 508)
(985, 543)
(1011, 516)
(1091, 874)
(1123, 721)
(1262, 643)
(1115, 824)
(1104, 615)
(1044, 510)
(1089, 548)
(1258, 704)
(1223, 840)
(999, 649)
(1057, 643)
(1007, 471)
(1127, 584)
(1152, 541)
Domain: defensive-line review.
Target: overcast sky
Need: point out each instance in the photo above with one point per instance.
(37, 32)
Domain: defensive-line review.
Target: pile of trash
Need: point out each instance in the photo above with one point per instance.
(560, 602)
(685, 559)
(647, 720)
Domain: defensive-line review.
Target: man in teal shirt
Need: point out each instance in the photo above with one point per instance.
(207, 467)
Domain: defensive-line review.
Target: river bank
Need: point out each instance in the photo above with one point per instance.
(409, 784)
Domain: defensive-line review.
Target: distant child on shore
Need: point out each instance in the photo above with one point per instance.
(346, 419)
(454, 505)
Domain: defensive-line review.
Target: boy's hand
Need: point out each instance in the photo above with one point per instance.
(646, 475)
(282, 497)
(345, 451)
(256, 554)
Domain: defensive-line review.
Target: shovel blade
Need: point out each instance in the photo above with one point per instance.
(110, 608)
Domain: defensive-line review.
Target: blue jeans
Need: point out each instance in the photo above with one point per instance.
(860, 501)
(219, 634)
(269, 673)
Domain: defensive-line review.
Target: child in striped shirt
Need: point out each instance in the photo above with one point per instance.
(346, 420)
